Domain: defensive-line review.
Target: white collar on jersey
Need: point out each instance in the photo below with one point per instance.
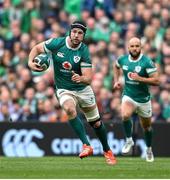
(71, 47)
(129, 58)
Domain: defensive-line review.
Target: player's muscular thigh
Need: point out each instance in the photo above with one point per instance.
(127, 109)
(70, 108)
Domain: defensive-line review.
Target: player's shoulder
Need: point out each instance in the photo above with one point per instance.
(61, 39)
(123, 57)
(121, 60)
(84, 48)
(146, 59)
(55, 40)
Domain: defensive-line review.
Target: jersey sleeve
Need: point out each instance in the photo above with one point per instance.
(150, 67)
(50, 45)
(118, 62)
(86, 59)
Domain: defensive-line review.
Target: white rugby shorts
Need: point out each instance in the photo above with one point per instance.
(84, 98)
(142, 109)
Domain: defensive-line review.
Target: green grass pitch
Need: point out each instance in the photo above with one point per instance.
(71, 167)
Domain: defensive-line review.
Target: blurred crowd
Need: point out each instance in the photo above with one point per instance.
(29, 96)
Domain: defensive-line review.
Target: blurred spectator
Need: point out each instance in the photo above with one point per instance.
(105, 97)
(27, 115)
(40, 88)
(157, 112)
(6, 105)
(64, 23)
(73, 7)
(30, 99)
(29, 14)
(51, 114)
(155, 93)
(156, 57)
(155, 22)
(165, 18)
(102, 31)
(17, 111)
(115, 109)
(165, 102)
(4, 113)
(116, 24)
(91, 29)
(164, 82)
(166, 43)
(150, 36)
(107, 6)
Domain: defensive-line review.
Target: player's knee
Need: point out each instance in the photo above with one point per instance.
(95, 124)
(92, 115)
(126, 115)
(147, 128)
(71, 112)
(146, 124)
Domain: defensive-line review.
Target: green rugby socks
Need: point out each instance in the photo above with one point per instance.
(148, 137)
(128, 128)
(102, 135)
(78, 127)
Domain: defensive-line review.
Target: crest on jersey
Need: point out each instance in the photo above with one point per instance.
(66, 65)
(137, 69)
(76, 59)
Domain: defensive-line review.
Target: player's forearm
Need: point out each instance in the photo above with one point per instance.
(36, 50)
(150, 80)
(85, 80)
(116, 73)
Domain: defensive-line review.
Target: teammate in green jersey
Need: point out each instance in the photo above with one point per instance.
(139, 72)
(73, 75)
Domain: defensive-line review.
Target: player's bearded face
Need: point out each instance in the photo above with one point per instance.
(76, 36)
(135, 51)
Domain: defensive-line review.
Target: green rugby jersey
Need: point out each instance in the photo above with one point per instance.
(65, 60)
(144, 66)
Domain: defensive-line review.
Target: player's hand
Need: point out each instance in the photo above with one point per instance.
(75, 77)
(135, 76)
(35, 66)
(117, 85)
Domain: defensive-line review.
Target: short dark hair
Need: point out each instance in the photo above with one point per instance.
(79, 24)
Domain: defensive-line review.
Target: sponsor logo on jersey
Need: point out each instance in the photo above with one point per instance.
(66, 65)
(20, 143)
(129, 75)
(125, 67)
(60, 54)
(76, 59)
(137, 69)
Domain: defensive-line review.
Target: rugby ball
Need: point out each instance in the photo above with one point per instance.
(43, 60)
